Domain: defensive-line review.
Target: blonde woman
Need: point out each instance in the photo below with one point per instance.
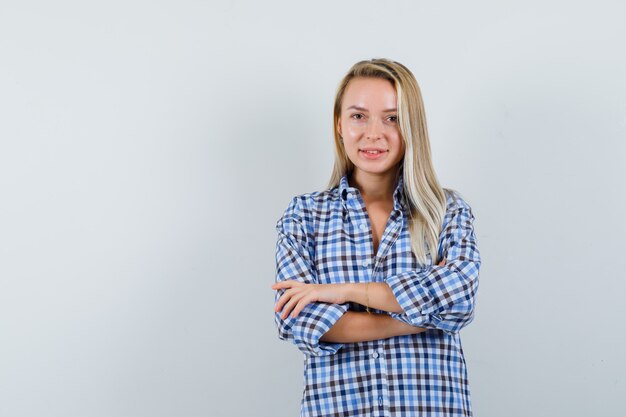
(376, 275)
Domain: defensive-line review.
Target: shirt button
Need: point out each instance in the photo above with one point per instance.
(375, 355)
(349, 195)
(365, 263)
(363, 226)
(380, 401)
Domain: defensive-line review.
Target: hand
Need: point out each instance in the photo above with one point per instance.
(299, 294)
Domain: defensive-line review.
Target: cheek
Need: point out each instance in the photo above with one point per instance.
(399, 144)
(397, 140)
(350, 130)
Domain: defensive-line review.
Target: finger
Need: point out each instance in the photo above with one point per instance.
(286, 284)
(283, 299)
(290, 305)
(303, 302)
(282, 284)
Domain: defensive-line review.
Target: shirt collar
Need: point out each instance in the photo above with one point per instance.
(398, 193)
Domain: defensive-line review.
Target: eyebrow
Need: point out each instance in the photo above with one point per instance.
(364, 109)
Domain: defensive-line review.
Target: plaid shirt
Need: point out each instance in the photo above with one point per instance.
(324, 237)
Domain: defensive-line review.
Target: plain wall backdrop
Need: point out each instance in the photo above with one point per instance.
(147, 149)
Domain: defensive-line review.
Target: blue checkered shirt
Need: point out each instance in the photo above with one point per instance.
(324, 237)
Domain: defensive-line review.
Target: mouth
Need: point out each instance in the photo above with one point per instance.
(372, 153)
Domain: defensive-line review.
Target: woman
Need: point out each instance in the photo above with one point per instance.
(376, 275)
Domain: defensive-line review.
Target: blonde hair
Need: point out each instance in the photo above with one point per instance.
(425, 198)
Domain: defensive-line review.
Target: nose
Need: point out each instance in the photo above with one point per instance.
(374, 129)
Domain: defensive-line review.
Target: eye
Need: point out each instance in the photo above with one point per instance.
(393, 119)
(357, 116)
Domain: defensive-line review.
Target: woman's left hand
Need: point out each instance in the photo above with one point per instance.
(298, 295)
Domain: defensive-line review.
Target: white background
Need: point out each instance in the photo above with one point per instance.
(147, 149)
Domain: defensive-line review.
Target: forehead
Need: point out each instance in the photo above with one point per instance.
(369, 92)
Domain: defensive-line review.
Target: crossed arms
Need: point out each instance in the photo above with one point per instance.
(315, 316)
(352, 326)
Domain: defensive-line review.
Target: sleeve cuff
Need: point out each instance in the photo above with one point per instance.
(312, 323)
(411, 294)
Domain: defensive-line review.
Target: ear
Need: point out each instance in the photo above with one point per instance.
(339, 128)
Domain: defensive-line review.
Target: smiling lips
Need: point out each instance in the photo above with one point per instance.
(372, 153)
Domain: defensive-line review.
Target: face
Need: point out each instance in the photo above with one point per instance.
(369, 126)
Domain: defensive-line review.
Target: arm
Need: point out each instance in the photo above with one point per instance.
(360, 327)
(442, 296)
(298, 294)
(294, 264)
(376, 295)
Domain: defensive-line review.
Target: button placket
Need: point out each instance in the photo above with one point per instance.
(361, 224)
(389, 238)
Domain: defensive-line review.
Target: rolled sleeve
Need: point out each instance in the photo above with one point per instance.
(306, 330)
(443, 297)
(294, 261)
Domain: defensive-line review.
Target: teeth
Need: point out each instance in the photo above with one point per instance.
(372, 151)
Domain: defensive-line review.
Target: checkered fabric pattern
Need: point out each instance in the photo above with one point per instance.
(324, 237)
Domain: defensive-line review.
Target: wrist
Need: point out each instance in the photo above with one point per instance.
(350, 292)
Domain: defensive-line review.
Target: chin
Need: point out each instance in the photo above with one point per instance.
(376, 170)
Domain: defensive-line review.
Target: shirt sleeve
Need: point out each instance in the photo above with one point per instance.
(294, 261)
(442, 297)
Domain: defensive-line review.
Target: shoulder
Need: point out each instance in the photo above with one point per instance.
(456, 204)
(310, 207)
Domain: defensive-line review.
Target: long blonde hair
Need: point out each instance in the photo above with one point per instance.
(424, 196)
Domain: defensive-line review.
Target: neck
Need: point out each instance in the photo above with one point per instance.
(374, 187)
